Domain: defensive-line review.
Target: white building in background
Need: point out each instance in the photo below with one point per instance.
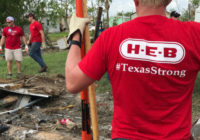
(197, 14)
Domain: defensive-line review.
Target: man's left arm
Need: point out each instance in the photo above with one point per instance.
(76, 78)
(42, 35)
(25, 43)
(24, 40)
(43, 39)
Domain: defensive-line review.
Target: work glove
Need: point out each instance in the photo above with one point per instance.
(44, 45)
(0, 49)
(26, 48)
(77, 24)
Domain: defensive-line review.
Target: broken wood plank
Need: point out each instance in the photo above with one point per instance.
(8, 100)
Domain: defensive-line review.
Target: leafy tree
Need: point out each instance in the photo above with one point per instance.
(189, 14)
(195, 3)
(120, 14)
(185, 16)
(69, 7)
(37, 7)
(92, 11)
(128, 14)
(114, 22)
(52, 9)
(11, 8)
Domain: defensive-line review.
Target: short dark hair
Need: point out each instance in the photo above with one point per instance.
(174, 14)
(30, 15)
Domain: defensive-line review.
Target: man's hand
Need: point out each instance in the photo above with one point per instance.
(77, 24)
(44, 45)
(26, 48)
(0, 49)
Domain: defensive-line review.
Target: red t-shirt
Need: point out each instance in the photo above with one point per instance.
(35, 29)
(13, 37)
(152, 63)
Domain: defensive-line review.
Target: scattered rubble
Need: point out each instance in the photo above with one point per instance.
(55, 117)
(41, 121)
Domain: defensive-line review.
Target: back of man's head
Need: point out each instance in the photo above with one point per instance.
(155, 3)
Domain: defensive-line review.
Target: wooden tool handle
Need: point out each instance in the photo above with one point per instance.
(92, 97)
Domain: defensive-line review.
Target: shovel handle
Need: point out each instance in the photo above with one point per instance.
(92, 98)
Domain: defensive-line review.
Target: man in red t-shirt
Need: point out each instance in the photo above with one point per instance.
(152, 62)
(36, 39)
(11, 34)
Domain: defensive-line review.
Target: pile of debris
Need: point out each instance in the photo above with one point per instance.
(39, 108)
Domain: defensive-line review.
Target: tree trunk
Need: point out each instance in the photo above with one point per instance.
(108, 18)
(107, 9)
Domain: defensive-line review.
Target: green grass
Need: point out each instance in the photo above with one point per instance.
(54, 60)
(55, 36)
(195, 106)
(103, 85)
(197, 85)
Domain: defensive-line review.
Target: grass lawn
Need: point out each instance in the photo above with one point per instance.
(55, 62)
(55, 36)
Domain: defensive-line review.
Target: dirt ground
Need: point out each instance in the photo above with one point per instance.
(41, 121)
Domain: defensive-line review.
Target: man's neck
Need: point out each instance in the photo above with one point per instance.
(33, 21)
(147, 11)
(12, 26)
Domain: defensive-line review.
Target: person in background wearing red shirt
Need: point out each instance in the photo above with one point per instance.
(11, 34)
(36, 39)
(152, 62)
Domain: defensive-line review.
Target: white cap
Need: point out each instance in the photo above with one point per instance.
(10, 18)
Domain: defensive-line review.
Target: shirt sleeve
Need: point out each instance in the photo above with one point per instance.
(94, 63)
(21, 32)
(4, 32)
(39, 26)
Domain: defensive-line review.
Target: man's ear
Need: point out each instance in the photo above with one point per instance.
(136, 2)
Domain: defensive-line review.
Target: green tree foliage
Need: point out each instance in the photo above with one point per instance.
(195, 3)
(37, 7)
(189, 15)
(114, 22)
(13, 8)
(92, 11)
(185, 16)
(128, 14)
(52, 9)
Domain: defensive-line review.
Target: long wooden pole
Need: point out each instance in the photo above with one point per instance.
(81, 11)
(86, 132)
(92, 97)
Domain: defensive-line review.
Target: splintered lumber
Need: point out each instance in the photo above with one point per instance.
(8, 100)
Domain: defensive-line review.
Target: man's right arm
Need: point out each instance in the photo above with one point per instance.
(76, 80)
(3, 39)
(29, 40)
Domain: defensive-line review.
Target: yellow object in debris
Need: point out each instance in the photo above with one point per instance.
(66, 107)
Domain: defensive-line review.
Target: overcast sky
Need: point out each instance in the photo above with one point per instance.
(128, 5)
